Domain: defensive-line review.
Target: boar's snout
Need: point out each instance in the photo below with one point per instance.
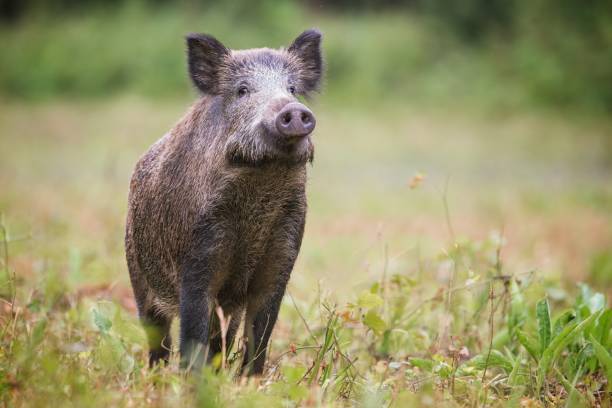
(295, 120)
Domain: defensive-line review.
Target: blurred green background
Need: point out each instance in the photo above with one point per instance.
(501, 53)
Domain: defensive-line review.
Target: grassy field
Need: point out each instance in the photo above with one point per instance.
(440, 263)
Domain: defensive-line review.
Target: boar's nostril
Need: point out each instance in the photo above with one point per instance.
(286, 118)
(306, 118)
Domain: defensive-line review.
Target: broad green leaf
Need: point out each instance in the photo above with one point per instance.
(603, 356)
(374, 322)
(562, 321)
(422, 363)
(604, 325)
(543, 316)
(567, 335)
(583, 356)
(495, 359)
(368, 300)
(443, 369)
(529, 343)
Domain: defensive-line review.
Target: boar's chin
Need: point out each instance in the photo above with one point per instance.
(264, 148)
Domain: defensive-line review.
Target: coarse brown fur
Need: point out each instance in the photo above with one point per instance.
(217, 206)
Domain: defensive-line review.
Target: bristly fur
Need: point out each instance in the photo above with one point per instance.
(217, 206)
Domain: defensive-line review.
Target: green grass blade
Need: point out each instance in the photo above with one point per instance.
(604, 325)
(327, 343)
(603, 356)
(529, 343)
(514, 377)
(569, 333)
(575, 398)
(543, 316)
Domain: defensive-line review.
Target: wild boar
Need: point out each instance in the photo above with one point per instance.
(217, 206)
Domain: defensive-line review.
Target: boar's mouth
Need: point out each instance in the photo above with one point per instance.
(266, 146)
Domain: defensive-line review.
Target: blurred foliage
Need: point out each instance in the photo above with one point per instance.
(474, 19)
(500, 53)
(601, 269)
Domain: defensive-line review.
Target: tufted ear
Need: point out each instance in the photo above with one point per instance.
(205, 55)
(307, 48)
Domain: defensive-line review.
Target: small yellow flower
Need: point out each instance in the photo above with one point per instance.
(416, 180)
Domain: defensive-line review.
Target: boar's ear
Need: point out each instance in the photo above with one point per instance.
(205, 54)
(307, 47)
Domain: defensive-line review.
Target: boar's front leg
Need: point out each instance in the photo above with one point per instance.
(195, 320)
(267, 289)
(195, 298)
(258, 328)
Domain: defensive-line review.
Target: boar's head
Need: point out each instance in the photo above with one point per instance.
(254, 95)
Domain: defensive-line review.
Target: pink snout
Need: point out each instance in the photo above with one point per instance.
(295, 120)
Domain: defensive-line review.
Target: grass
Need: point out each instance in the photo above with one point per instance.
(439, 264)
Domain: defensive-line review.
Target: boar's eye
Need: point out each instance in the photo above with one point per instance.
(243, 91)
(292, 90)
